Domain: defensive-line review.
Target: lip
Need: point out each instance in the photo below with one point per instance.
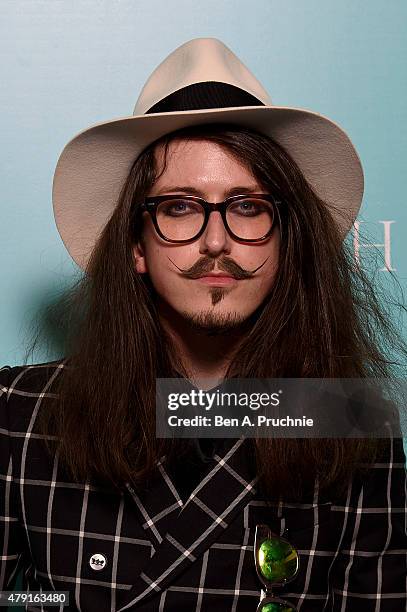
(217, 280)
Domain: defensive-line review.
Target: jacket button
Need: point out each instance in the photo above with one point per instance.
(97, 561)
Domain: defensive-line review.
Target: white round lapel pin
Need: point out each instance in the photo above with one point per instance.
(98, 561)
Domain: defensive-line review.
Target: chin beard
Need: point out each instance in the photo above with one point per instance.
(210, 323)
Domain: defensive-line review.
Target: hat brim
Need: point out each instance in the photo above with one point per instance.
(94, 165)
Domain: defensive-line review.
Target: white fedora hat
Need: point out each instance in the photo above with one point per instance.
(202, 81)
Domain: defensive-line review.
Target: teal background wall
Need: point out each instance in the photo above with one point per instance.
(66, 65)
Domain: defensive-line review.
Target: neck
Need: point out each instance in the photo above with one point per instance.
(201, 353)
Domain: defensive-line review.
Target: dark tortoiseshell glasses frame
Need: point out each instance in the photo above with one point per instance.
(151, 203)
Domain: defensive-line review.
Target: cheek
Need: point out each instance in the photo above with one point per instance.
(165, 259)
(266, 254)
(153, 248)
(271, 252)
(274, 256)
(162, 261)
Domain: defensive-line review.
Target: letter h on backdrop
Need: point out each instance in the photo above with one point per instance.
(386, 245)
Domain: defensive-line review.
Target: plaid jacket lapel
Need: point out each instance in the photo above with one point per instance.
(192, 527)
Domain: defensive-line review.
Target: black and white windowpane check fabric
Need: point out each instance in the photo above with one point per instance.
(153, 550)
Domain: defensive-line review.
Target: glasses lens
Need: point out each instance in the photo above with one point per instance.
(277, 559)
(180, 219)
(250, 219)
(276, 606)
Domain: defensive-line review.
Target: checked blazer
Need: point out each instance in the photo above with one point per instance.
(155, 550)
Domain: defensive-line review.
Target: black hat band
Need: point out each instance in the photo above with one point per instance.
(209, 94)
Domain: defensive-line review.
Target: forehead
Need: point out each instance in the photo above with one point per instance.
(200, 161)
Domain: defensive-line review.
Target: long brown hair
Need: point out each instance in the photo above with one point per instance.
(321, 319)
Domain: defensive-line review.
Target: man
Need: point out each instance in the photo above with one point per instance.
(210, 225)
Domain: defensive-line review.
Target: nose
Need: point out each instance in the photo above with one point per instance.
(215, 239)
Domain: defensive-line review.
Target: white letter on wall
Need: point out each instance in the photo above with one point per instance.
(386, 245)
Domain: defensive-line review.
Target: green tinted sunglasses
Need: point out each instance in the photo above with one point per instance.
(277, 563)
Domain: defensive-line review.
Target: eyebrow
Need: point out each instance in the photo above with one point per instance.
(239, 189)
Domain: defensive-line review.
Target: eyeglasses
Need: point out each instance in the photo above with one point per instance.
(179, 218)
(277, 563)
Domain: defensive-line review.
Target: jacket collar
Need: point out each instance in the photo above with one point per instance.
(179, 532)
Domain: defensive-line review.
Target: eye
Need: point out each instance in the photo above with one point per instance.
(250, 208)
(179, 208)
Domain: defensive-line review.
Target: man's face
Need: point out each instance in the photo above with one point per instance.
(205, 169)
